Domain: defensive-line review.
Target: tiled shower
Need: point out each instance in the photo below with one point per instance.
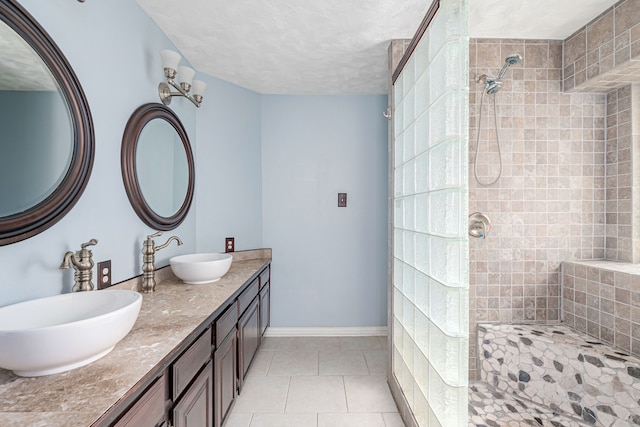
(569, 191)
(549, 204)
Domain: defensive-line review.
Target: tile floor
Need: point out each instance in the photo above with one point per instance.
(317, 382)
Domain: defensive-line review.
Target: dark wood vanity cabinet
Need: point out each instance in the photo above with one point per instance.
(265, 309)
(199, 386)
(224, 378)
(195, 408)
(149, 409)
(248, 339)
(193, 398)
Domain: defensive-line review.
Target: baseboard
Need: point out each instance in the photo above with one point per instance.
(365, 331)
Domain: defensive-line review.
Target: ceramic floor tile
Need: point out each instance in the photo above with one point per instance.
(238, 420)
(262, 394)
(359, 343)
(339, 362)
(300, 343)
(350, 420)
(377, 361)
(296, 362)
(316, 394)
(261, 362)
(369, 394)
(393, 419)
(284, 420)
(384, 342)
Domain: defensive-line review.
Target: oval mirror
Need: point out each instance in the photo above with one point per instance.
(47, 144)
(157, 166)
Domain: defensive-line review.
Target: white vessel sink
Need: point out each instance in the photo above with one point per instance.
(63, 332)
(198, 269)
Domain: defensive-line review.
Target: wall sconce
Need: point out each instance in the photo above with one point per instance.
(170, 60)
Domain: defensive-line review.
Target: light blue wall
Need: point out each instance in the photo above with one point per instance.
(268, 170)
(329, 263)
(113, 48)
(228, 168)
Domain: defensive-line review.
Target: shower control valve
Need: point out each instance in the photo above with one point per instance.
(479, 225)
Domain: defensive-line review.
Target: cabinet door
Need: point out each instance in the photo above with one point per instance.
(265, 308)
(195, 409)
(248, 340)
(224, 378)
(148, 411)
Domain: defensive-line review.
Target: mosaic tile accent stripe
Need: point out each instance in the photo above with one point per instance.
(563, 370)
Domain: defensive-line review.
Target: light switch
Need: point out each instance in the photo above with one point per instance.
(342, 200)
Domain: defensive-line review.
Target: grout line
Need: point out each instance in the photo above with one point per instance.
(344, 388)
(365, 361)
(286, 397)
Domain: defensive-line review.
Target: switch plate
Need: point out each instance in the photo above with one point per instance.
(104, 274)
(342, 200)
(229, 244)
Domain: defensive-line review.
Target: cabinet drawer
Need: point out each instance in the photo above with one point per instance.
(247, 296)
(148, 411)
(226, 323)
(264, 276)
(188, 365)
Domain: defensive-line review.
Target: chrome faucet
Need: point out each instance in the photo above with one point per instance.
(149, 250)
(82, 264)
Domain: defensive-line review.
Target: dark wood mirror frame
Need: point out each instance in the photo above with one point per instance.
(143, 115)
(20, 226)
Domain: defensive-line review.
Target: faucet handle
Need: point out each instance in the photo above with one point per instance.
(156, 234)
(91, 242)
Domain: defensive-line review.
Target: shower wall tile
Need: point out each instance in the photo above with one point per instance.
(605, 53)
(549, 204)
(623, 186)
(602, 299)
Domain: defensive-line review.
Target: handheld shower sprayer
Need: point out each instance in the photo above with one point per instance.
(508, 62)
(493, 85)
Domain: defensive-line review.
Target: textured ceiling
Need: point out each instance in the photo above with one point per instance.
(290, 46)
(334, 46)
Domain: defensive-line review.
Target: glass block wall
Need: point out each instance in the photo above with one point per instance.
(430, 298)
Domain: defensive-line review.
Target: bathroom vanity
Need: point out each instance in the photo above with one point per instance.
(182, 364)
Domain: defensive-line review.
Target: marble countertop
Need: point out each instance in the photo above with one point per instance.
(80, 397)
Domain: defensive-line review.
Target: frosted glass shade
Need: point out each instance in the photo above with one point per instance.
(198, 87)
(170, 59)
(185, 74)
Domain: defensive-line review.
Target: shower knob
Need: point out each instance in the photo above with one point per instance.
(479, 225)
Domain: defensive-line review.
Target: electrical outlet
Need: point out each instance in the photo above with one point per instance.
(104, 274)
(229, 244)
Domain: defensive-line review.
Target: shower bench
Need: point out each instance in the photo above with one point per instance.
(550, 375)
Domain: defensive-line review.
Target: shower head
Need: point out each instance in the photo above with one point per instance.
(508, 62)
